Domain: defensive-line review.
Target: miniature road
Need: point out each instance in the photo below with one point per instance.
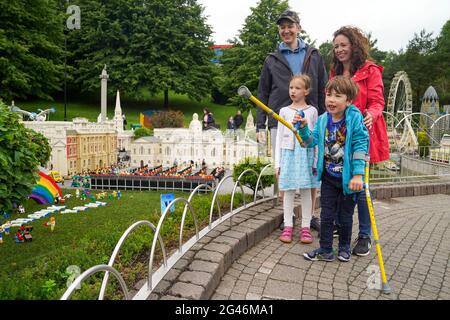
(415, 242)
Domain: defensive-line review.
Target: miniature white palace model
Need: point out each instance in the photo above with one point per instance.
(81, 145)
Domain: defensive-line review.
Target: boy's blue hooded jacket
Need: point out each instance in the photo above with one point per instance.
(356, 144)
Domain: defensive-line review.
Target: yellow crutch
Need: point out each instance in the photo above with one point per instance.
(384, 283)
(244, 92)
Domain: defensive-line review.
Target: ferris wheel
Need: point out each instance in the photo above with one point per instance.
(399, 106)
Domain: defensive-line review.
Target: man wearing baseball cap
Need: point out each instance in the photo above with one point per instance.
(293, 56)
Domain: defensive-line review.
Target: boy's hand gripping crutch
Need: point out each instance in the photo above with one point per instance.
(244, 92)
(384, 284)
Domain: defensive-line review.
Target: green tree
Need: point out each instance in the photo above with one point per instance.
(21, 151)
(142, 132)
(31, 39)
(326, 51)
(377, 55)
(241, 65)
(156, 45)
(442, 61)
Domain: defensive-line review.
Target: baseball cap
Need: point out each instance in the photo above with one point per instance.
(289, 15)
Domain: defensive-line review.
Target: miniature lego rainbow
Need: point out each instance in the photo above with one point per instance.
(45, 190)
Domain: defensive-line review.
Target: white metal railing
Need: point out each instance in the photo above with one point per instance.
(155, 277)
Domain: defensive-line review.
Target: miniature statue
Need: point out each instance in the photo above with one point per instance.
(1, 235)
(19, 237)
(51, 224)
(21, 209)
(7, 227)
(24, 234)
(118, 194)
(93, 199)
(77, 193)
(114, 194)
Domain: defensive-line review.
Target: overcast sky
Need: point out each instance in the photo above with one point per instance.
(392, 22)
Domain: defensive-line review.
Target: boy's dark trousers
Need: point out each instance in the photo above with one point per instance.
(334, 204)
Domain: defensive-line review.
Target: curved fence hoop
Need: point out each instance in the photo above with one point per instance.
(439, 119)
(391, 115)
(238, 181)
(215, 197)
(259, 179)
(195, 218)
(119, 245)
(158, 230)
(91, 271)
(412, 114)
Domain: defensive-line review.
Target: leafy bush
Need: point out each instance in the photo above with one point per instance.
(250, 179)
(21, 151)
(424, 143)
(142, 132)
(167, 119)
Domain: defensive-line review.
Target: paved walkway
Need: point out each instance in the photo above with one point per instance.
(415, 239)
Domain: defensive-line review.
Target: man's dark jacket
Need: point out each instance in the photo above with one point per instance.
(273, 87)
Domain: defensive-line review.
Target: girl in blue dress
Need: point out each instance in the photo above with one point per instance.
(294, 165)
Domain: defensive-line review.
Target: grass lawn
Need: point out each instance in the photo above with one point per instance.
(37, 269)
(131, 109)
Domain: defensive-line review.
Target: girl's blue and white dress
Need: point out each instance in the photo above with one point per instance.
(295, 162)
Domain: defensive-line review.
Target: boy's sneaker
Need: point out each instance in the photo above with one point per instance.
(319, 255)
(362, 247)
(336, 231)
(344, 256)
(286, 236)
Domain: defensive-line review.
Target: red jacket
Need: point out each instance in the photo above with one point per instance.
(370, 97)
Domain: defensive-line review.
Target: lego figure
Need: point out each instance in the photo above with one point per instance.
(19, 237)
(118, 194)
(24, 234)
(7, 227)
(51, 224)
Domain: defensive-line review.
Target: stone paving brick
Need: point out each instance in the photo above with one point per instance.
(283, 290)
(187, 290)
(287, 273)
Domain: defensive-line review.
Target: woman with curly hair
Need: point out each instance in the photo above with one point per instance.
(351, 59)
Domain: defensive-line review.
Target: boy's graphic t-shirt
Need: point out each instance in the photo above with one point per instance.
(334, 147)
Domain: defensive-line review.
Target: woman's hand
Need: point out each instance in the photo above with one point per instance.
(368, 119)
(356, 183)
(277, 173)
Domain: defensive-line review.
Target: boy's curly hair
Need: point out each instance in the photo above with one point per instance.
(360, 49)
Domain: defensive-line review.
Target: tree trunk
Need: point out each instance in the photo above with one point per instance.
(166, 99)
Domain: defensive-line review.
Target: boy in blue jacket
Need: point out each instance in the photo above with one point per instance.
(343, 144)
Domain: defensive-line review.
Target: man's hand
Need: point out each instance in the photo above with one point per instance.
(261, 136)
(356, 183)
